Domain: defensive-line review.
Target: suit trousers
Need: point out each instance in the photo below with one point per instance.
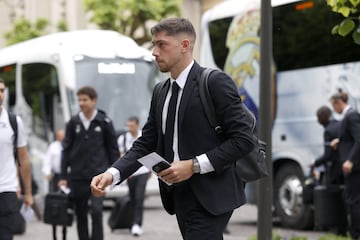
(82, 204)
(137, 185)
(194, 221)
(8, 209)
(352, 195)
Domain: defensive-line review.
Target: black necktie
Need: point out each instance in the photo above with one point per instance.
(170, 122)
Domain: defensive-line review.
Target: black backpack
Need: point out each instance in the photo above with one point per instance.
(252, 166)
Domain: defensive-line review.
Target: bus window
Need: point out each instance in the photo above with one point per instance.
(217, 29)
(41, 92)
(8, 74)
(124, 86)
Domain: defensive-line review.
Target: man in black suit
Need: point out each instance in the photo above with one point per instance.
(330, 158)
(348, 144)
(205, 189)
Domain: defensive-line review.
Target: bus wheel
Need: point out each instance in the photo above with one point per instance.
(289, 205)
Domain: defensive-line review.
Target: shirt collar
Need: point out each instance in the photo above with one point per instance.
(181, 79)
(83, 118)
(346, 109)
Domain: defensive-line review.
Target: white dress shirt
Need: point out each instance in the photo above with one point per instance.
(52, 159)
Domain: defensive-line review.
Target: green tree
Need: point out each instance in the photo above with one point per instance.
(130, 17)
(23, 30)
(350, 24)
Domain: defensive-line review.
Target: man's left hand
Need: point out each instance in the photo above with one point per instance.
(178, 172)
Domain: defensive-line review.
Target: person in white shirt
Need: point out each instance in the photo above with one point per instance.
(8, 171)
(52, 161)
(137, 182)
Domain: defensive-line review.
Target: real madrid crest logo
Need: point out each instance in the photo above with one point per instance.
(77, 128)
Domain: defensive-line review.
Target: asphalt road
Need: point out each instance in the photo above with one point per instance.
(160, 226)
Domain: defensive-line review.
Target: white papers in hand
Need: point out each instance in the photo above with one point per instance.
(150, 160)
(27, 212)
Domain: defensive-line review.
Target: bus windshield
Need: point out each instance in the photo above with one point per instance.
(124, 86)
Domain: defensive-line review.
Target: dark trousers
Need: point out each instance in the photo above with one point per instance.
(82, 204)
(352, 194)
(137, 185)
(194, 221)
(8, 208)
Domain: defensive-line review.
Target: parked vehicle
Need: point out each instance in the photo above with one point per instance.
(43, 75)
(309, 66)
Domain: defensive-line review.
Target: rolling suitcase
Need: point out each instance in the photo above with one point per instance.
(122, 214)
(330, 210)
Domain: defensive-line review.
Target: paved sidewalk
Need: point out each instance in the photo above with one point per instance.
(158, 225)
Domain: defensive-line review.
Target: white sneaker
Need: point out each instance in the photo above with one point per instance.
(136, 230)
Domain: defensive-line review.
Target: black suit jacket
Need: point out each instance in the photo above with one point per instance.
(219, 191)
(349, 145)
(330, 158)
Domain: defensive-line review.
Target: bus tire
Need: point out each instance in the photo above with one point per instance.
(289, 206)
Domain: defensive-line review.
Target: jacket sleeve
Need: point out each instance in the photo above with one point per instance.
(144, 145)
(238, 137)
(328, 151)
(112, 148)
(67, 146)
(353, 122)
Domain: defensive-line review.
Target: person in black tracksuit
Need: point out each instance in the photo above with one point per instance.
(89, 148)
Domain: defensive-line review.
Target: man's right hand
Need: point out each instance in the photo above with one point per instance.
(100, 182)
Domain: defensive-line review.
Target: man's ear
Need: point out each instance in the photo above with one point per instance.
(185, 44)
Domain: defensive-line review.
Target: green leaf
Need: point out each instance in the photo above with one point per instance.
(335, 29)
(345, 11)
(354, 3)
(346, 26)
(331, 3)
(356, 35)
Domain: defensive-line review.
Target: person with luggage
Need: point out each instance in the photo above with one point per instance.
(333, 179)
(200, 186)
(330, 158)
(51, 168)
(89, 148)
(137, 181)
(13, 154)
(348, 145)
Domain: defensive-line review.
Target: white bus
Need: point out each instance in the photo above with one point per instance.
(43, 75)
(310, 65)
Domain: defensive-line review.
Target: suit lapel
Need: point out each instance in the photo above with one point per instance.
(160, 104)
(187, 92)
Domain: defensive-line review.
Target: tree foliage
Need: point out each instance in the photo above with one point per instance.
(130, 17)
(23, 30)
(350, 24)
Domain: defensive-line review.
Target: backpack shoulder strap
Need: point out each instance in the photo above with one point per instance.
(206, 99)
(124, 142)
(14, 126)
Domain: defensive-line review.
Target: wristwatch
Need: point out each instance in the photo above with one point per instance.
(196, 165)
